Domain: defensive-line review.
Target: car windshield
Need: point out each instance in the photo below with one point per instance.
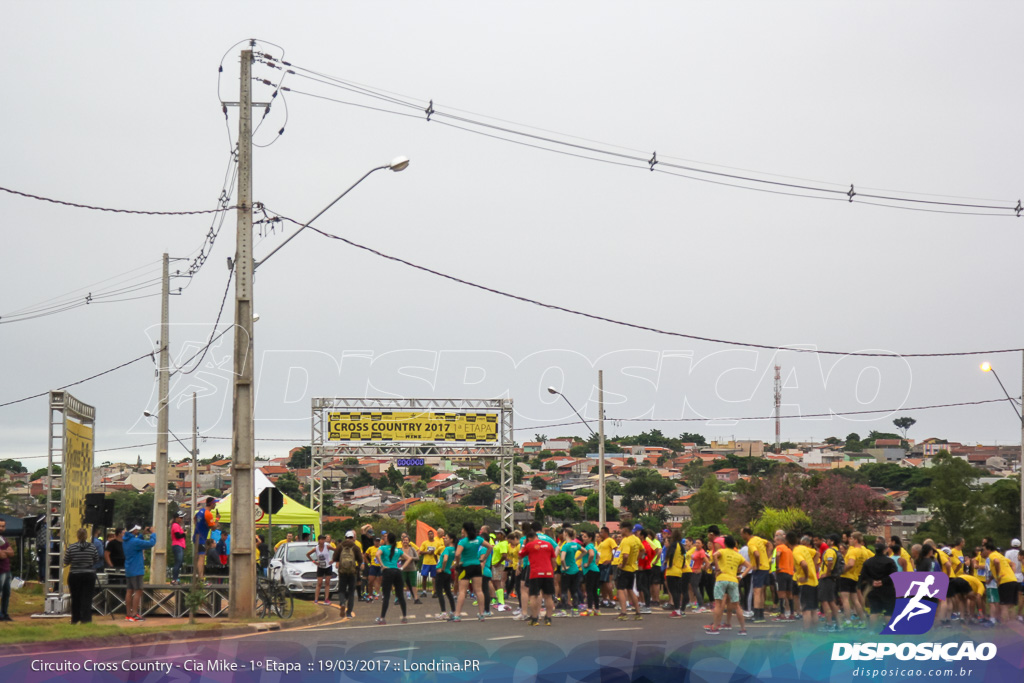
(297, 553)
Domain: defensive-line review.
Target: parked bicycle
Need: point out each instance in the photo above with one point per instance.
(272, 598)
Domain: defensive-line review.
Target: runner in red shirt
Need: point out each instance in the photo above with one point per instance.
(542, 557)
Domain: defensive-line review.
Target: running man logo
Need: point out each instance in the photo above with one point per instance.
(917, 600)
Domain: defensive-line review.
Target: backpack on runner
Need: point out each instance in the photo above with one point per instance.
(347, 561)
(840, 566)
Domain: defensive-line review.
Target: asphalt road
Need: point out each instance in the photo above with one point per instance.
(500, 648)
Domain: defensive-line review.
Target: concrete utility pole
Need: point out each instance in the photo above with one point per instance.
(195, 455)
(602, 514)
(778, 407)
(158, 571)
(242, 567)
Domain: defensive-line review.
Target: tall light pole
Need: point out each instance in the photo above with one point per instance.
(242, 565)
(601, 512)
(987, 367)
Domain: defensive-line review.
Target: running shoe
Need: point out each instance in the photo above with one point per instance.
(534, 622)
(520, 617)
(455, 617)
(547, 621)
(139, 617)
(725, 627)
(326, 602)
(622, 616)
(742, 632)
(129, 618)
(676, 614)
(487, 614)
(747, 614)
(480, 617)
(379, 621)
(404, 620)
(351, 615)
(517, 612)
(560, 613)
(712, 631)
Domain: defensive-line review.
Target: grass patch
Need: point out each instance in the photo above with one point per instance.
(30, 600)
(61, 629)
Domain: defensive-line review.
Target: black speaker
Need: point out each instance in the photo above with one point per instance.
(108, 513)
(94, 509)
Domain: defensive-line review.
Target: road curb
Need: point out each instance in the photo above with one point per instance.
(166, 637)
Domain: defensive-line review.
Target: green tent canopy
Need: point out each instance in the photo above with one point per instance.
(292, 514)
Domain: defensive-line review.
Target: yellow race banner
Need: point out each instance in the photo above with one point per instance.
(77, 476)
(417, 427)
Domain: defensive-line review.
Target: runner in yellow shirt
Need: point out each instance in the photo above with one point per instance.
(760, 557)
(606, 557)
(1005, 579)
(431, 547)
(731, 568)
(853, 601)
(805, 562)
(629, 554)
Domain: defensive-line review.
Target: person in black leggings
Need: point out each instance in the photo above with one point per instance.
(443, 580)
(394, 562)
(591, 578)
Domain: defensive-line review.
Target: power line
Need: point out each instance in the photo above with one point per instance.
(635, 326)
(610, 419)
(431, 113)
(213, 338)
(149, 355)
(111, 210)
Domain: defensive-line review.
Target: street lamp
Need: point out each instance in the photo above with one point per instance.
(552, 390)
(987, 367)
(602, 513)
(397, 165)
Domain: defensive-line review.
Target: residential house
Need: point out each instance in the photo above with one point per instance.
(728, 475)
(678, 514)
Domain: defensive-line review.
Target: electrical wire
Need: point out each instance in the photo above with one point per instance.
(635, 326)
(136, 212)
(149, 355)
(213, 338)
(850, 196)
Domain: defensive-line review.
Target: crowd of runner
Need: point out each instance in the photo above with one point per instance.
(828, 583)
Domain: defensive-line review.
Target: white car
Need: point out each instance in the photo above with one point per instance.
(290, 567)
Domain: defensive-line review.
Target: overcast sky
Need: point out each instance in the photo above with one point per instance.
(117, 105)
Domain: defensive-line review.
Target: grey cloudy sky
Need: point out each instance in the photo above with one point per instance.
(117, 104)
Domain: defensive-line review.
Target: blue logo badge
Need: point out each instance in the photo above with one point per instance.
(917, 596)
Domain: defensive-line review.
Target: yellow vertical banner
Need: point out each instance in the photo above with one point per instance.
(77, 476)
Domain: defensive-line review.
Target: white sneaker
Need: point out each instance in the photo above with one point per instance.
(748, 614)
